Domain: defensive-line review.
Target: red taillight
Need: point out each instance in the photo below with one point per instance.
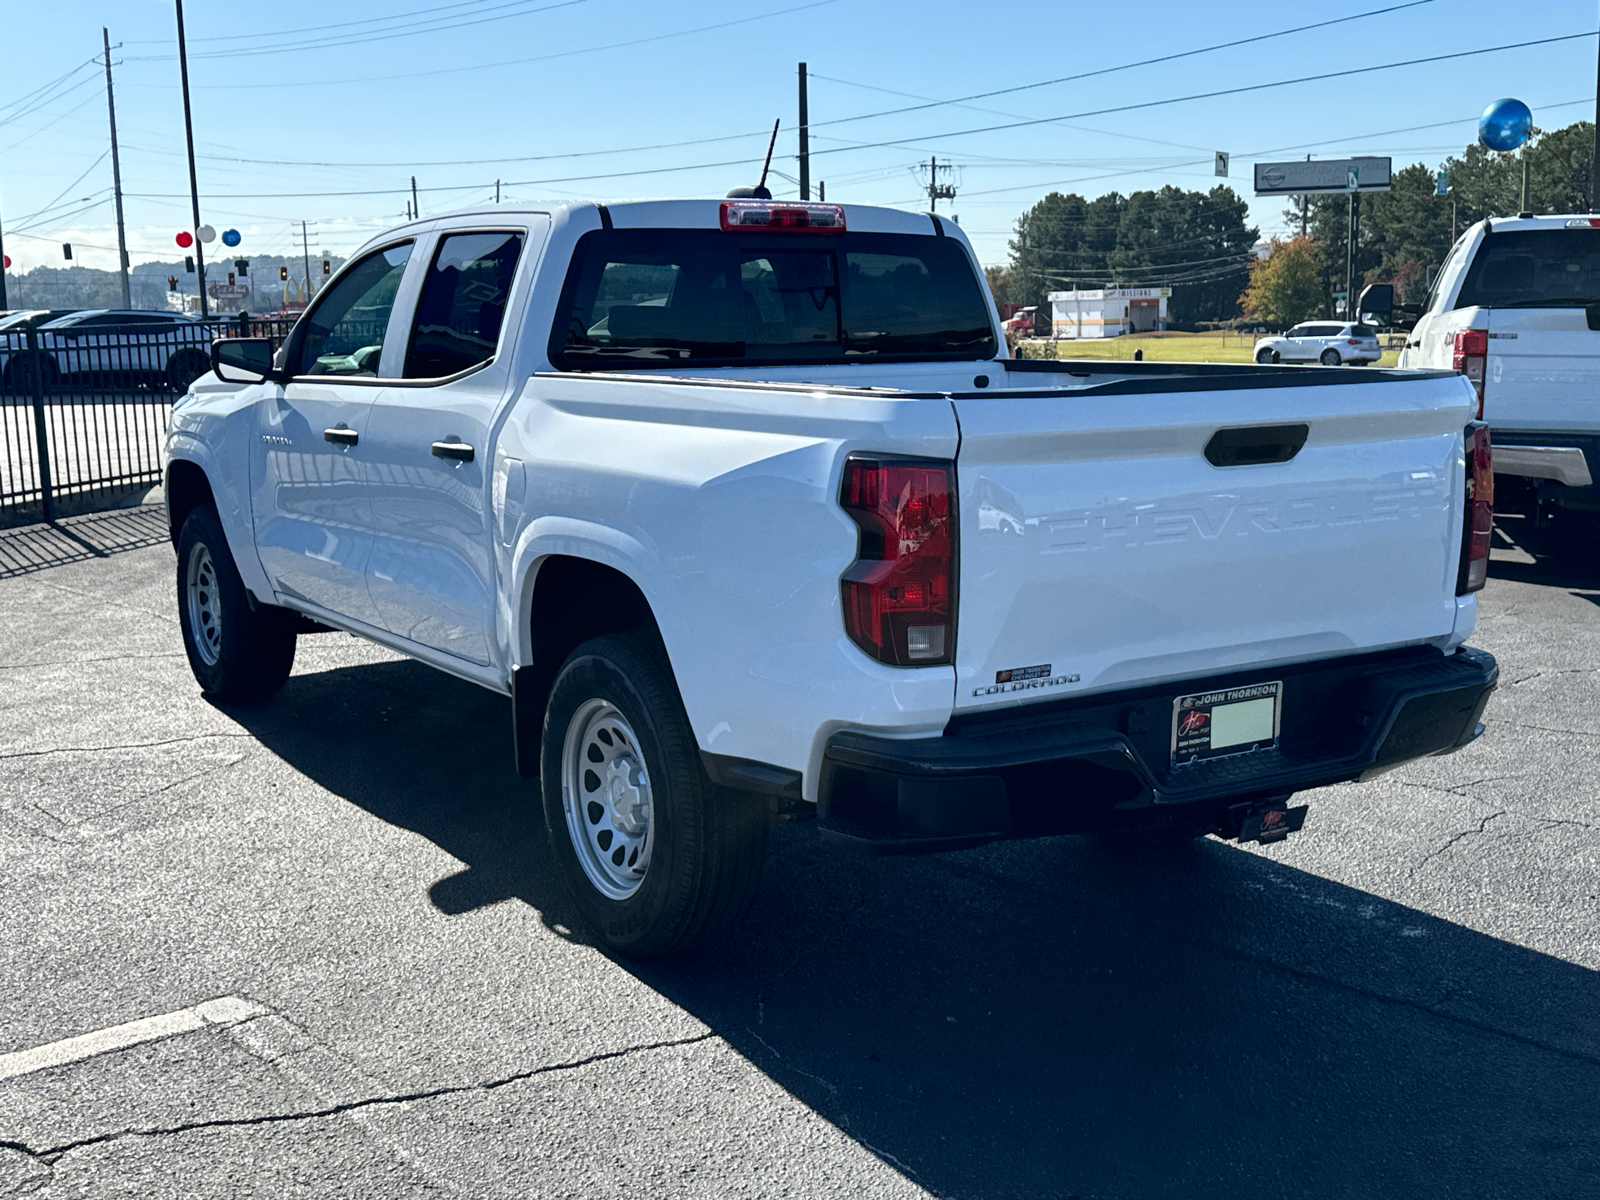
(1479, 518)
(899, 594)
(791, 218)
(1471, 358)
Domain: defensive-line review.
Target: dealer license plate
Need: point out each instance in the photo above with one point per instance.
(1228, 721)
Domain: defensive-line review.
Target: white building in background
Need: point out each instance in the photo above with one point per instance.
(1108, 312)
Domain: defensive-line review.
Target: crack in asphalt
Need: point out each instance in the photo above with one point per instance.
(1589, 733)
(193, 737)
(1553, 674)
(1456, 837)
(170, 619)
(50, 1155)
(78, 662)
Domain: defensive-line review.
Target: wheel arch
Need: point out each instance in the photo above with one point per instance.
(567, 600)
(187, 487)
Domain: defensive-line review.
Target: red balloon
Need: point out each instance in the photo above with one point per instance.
(185, 239)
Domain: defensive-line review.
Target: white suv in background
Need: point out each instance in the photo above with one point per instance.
(1325, 342)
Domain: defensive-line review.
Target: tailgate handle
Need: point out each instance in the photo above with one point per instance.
(1252, 445)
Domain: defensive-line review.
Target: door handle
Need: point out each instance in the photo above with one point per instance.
(455, 449)
(341, 435)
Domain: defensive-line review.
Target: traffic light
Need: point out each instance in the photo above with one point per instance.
(327, 267)
(230, 278)
(66, 251)
(283, 272)
(242, 265)
(172, 283)
(188, 263)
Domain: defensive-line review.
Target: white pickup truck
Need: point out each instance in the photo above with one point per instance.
(744, 508)
(1516, 308)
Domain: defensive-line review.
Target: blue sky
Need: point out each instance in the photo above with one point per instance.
(317, 110)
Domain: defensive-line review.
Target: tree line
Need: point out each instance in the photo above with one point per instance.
(1196, 243)
(1200, 245)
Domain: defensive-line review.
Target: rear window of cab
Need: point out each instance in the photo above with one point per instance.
(646, 298)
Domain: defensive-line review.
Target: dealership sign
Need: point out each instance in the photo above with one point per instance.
(1325, 175)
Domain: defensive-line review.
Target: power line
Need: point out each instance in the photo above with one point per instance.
(337, 42)
(238, 37)
(1234, 91)
(1023, 87)
(515, 62)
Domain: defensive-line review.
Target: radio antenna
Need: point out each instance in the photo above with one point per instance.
(773, 141)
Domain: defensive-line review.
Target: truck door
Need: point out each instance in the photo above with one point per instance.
(430, 435)
(312, 518)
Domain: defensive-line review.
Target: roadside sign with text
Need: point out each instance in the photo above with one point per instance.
(228, 291)
(1326, 175)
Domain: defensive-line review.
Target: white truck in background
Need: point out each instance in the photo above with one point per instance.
(1516, 308)
(745, 508)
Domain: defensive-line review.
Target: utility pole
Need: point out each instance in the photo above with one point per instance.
(415, 211)
(939, 191)
(1594, 163)
(497, 191)
(305, 249)
(194, 185)
(805, 140)
(116, 177)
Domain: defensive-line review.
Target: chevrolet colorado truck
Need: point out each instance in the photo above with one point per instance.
(744, 507)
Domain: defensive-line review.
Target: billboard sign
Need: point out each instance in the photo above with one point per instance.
(1322, 176)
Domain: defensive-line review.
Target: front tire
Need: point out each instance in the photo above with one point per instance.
(658, 858)
(1265, 356)
(236, 651)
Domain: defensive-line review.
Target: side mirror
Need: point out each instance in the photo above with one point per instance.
(1377, 302)
(242, 360)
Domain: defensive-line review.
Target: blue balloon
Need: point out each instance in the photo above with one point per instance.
(1505, 124)
(230, 237)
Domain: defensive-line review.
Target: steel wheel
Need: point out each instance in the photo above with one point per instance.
(605, 792)
(205, 604)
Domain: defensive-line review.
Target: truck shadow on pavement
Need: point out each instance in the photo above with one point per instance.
(1048, 1019)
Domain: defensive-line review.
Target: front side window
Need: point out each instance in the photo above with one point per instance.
(463, 304)
(344, 332)
(1534, 268)
(668, 297)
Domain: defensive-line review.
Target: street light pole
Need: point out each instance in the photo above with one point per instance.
(194, 185)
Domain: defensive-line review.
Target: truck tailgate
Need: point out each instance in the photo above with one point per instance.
(1544, 370)
(1101, 548)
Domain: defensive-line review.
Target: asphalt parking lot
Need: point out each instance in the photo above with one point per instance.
(367, 980)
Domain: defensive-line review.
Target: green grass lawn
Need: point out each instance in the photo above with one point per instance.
(1166, 347)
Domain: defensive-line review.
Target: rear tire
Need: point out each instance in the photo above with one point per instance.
(1329, 358)
(657, 857)
(235, 651)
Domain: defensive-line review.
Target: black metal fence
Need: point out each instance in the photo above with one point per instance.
(83, 410)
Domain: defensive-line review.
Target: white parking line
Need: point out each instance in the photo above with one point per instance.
(225, 1010)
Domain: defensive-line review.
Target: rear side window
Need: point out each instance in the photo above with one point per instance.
(463, 304)
(668, 297)
(1534, 268)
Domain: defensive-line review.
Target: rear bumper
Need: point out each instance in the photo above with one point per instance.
(1104, 762)
(1565, 463)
